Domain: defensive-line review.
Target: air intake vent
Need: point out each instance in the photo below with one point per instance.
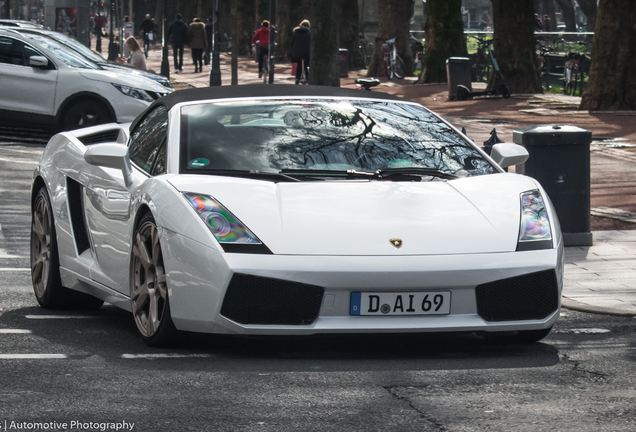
(107, 136)
(260, 300)
(531, 296)
(76, 208)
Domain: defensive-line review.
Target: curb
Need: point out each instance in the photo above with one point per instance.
(583, 307)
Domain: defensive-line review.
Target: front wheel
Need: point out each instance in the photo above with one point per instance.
(399, 68)
(85, 113)
(149, 287)
(228, 47)
(389, 69)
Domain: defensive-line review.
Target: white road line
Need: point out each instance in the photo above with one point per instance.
(5, 255)
(14, 331)
(31, 356)
(59, 316)
(22, 161)
(164, 356)
(8, 269)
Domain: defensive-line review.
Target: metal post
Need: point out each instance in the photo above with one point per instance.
(215, 72)
(165, 63)
(271, 54)
(113, 49)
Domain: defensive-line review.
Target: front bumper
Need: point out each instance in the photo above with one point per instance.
(198, 277)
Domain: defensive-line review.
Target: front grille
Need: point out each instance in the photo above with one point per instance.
(260, 300)
(527, 297)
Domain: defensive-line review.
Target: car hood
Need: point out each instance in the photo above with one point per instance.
(132, 71)
(469, 215)
(125, 79)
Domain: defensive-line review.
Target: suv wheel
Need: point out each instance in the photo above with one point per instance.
(85, 113)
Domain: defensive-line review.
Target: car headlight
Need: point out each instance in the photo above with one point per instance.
(534, 231)
(225, 227)
(133, 92)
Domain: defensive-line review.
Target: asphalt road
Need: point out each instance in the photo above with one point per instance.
(74, 366)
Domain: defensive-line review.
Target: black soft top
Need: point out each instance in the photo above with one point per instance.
(262, 90)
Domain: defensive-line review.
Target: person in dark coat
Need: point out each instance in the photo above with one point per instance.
(198, 42)
(262, 38)
(179, 32)
(209, 29)
(147, 27)
(300, 46)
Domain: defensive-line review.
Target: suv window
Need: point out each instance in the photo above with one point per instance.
(11, 51)
(146, 139)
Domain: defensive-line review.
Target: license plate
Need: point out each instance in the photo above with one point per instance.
(400, 303)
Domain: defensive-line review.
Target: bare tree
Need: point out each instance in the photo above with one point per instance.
(324, 62)
(514, 45)
(394, 17)
(349, 32)
(443, 38)
(612, 83)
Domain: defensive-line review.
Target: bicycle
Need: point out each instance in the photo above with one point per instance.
(481, 67)
(225, 43)
(267, 63)
(366, 49)
(416, 51)
(392, 61)
(571, 74)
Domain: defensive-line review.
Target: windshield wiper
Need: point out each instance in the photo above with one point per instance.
(254, 174)
(419, 171)
(351, 174)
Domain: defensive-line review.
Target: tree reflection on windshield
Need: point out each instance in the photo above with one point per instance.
(271, 135)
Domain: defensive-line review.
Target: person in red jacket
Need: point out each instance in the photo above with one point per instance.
(262, 36)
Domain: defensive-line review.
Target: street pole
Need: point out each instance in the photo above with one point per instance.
(271, 54)
(113, 49)
(165, 63)
(215, 72)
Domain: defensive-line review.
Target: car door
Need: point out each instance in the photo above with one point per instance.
(109, 202)
(25, 88)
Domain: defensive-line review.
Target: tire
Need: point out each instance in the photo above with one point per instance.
(399, 68)
(228, 47)
(149, 289)
(85, 113)
(45, 263)
(526, 336)
(387, 64)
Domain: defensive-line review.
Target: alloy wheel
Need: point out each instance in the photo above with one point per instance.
(41, 246)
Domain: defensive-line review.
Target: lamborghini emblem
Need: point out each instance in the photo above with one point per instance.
(396, 242)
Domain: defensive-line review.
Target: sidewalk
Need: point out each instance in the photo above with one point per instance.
(597, 279)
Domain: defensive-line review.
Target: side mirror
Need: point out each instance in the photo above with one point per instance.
(507, 154)
(111, 156)
(38, 61)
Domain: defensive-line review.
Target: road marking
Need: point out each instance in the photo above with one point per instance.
(7, 269)
(59, 316)
(14, 331)
(164, 355)
(4, 254)
(31, 356)
(582, 331)
(22, 161)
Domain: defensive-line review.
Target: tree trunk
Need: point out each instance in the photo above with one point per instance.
(515, 45)
(567, 7)
(393, 22)
(290, 14)
(612, 82)
(349, 32)
(324, 60)
(548, 9)
(589, 8)
(443, 38)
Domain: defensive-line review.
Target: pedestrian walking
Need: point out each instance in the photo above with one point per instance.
(147, 27)
(99, 25)
(300, 47)
(137, 58)
(538, 25)
(262, 38)
(547, 23)
(198, 42)
(209, 32)
(178, 30)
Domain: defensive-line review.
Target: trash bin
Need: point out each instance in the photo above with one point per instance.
(560, 161)
(457, 73)
(344, 62)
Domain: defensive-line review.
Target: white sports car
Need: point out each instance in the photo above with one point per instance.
(287, 210)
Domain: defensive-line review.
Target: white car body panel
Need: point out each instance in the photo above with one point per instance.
(457, 234)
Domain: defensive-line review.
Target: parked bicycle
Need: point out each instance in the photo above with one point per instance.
(225, 43)
(482, 63)
(416, 51)
(572, 74)
(392, 61)
(366, 49)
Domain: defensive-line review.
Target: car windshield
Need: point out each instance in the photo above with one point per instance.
(78, 47)
(307, 136)
(61, 52)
